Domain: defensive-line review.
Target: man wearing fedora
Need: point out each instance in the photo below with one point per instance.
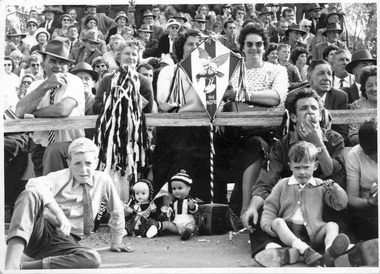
(59, 95)
(360, 59)
(200, 24)
(265, 17)
(51, 20)
(104, 22)
(332, 32)
(89, 51)
(144, 34)
(316, 18)
(294, 34)
(56, 153)
(14, 42)
(157, 31)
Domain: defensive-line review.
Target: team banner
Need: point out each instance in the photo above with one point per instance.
(209, 68)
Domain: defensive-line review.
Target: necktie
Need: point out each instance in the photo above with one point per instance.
(88, 221)
(341, 82)
(51, 138)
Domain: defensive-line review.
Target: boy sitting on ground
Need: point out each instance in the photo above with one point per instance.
(293, 212)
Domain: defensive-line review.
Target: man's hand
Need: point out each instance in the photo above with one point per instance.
(56, 79)
(121, 248)
(309, 130)
(64, 227)
(250, 213)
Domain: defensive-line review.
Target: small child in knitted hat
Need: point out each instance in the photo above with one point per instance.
(183, 207)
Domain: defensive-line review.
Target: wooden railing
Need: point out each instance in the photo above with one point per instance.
(256, 118)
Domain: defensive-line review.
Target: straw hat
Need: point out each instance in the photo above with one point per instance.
(121, 14)
(172, 22)
(32, 20)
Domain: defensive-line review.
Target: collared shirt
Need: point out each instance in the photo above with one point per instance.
(61, 188)
(75, 90)
(347, 81)
(279, 161)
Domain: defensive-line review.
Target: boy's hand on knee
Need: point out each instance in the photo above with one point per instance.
(64, 225)
(121, 248)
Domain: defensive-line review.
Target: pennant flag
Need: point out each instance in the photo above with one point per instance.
(209, 68)
(164, 191)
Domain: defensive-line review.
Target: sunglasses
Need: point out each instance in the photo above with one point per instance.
(258, 44)
(66, 20)
(241, 13)
(307, 26)
(35, 65)
(173, 27)
(32, 25)
(7, 65)
(100, 66)
(26, 82)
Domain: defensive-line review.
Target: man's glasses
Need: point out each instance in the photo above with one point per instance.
(34, 65)
(258, 44)
(100, 66)
(26, 82)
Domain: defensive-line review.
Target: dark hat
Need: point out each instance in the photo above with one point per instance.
(85, 67)
(182, 177)
(314, 6)
(200, 18)
(42, 30)
(180, 15)
(57, 48)
(88, 18)
(332, 27)
(265, 10)
(333, 13)
(92, 36)
(295, 27)
(63, 16)
(49, 10)
(91, 6)
(16, 32)
(121, 14)
(148, 13)
(361, 55)
(145, 28)
(32, 20)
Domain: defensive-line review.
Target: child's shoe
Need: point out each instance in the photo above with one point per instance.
(338, 247)
(186, 234)
(277, 257)
(152, 231)
(312, 257)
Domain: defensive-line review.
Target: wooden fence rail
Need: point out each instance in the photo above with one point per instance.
(256, 118)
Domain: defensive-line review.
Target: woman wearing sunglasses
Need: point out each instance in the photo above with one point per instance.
(66, 23)
(257, 83)
(33, 67)
(166, 42)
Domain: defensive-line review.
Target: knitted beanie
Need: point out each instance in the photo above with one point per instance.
(182, 177)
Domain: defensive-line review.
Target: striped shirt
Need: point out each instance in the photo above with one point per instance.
(61, 188)
(182, 206)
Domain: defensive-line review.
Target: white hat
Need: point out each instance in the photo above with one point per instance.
(172, 22)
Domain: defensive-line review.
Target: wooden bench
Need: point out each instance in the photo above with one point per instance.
(257, 118)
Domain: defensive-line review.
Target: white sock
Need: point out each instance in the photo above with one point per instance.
(301, 246)
(272, 245)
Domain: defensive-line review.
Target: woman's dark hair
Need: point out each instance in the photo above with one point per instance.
(327, 50)
(296, 53)
(368, 136)
(8, 58)
(181, 40)
(366, 72)
(271, 47)
(250, 21)
(252, 29)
